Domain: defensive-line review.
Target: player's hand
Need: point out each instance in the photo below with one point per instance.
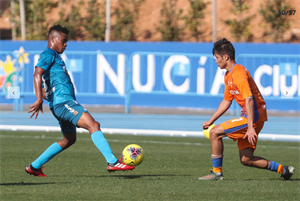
(251, 135)
(35, 108)
(205, 125)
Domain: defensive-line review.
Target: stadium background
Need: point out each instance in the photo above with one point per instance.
(147, 41)
(176, 152)
(149, 17)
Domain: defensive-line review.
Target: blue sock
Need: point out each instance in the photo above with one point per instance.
(217, 162)
(47, 155)
(217, 165)
(102, 144)
(273, 166)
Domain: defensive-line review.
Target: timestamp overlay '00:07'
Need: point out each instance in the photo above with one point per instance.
(286, 12)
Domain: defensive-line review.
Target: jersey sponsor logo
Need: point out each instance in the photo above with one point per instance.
(239, 119)
(234, 92)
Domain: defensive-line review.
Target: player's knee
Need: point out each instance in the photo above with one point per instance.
(67, 142)
(213, 133)
(96, 125)
(72, 141)
(246, 161)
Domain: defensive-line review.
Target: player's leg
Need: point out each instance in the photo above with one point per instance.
(216, 134)
(246, 150)
(63, 115)
(217, 147)
(87, 121)
(113, 164)
(248, 159)
(75, 114)
(35, 168)
(54, 149)
(69, 138)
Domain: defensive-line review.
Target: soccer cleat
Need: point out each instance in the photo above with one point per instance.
(212, 176)
(118, 166)
(36, 172)
(289, 171)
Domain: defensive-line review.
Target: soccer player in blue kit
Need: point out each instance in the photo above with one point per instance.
(52, 82)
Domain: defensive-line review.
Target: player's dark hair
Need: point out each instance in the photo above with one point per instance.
(224, 46)
(59, 28)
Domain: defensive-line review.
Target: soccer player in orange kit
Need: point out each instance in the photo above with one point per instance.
(239, 85)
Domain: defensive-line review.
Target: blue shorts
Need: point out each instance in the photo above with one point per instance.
(68, 114)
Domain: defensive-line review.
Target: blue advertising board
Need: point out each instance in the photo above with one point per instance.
(155, 74)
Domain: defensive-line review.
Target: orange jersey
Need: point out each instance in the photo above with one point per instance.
(239, 85)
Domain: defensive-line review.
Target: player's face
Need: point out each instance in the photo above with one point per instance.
(60, 42)
(220, 60)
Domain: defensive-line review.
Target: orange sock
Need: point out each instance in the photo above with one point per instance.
(218, 169)
(280, 169)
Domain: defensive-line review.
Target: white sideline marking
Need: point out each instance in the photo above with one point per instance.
(142, 141)
(265, 136)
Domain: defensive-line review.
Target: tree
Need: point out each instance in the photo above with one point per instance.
(72, 20)
(276, 24)
(194, 18)
(36, 23)
(240, 27)
(36, 20)
(127, 13)
(168, 24)
(13, 15)
(94, 22)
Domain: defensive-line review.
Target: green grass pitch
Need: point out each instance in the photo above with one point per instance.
(169, 171)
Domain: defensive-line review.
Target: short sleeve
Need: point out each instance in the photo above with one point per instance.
(227, 95)
(240, 78)
(45, 61)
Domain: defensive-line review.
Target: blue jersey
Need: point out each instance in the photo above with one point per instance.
(57, 82)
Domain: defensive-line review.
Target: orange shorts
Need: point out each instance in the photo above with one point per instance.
(237, 128)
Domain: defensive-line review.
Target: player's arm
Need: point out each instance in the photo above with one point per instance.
(223, 107)
(251, 133)
(38, 104)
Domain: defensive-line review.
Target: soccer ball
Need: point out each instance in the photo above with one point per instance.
(206, 131)
(133, 155)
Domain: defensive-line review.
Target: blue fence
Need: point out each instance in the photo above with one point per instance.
(170, 80)
(278, 78)
(154, 79)
(88, 78)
